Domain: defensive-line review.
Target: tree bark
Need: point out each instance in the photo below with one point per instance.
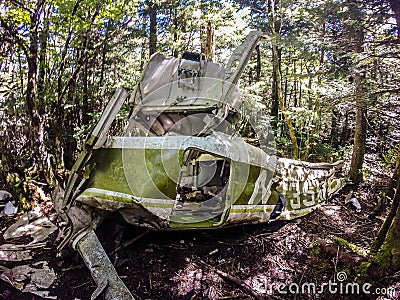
(258, 66)
(396, 173)
(388, 239)
(357, 160)
(37, 134)
(282, 104)
(42, 62)
(395, 6)
(387, 244)
(278, 76)
(152, 12)
(275, 99)
(210, 42)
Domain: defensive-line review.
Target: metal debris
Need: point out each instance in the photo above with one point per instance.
(30, 279)
(355, 203)
(7, 204)
(103, 272)
(9, 209)
(10, 252)
(31, 224)
(351, 199)
(4, 196)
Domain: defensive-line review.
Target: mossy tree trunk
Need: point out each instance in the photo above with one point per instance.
(210, 42)
(396, 173)
(357, 160)
(152, 12)
(388, 255)
(287, 117)
(395, 6)
(394, 210)
(278, 82)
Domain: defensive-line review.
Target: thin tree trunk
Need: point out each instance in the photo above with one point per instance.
(396, 174)
(174, 13)
(31, 89)
(258, 66)
(357, 160)
(393, 209)
(210, 42)
(278, 75)
(310, 132)
(335, 128)
(152, 12)
(282, 105)
(85, 96)
(294, 83)
(345, 135)
(388, 239)
(275, 99)
(42, 63)
(395, 6)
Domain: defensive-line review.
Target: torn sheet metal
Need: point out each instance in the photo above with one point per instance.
(39, 228)
(8, 207)
(31, 224)
(4, 196)
(10, 252)
(33, 279)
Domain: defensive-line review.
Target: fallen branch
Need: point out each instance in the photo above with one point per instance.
(236, 281)
(241, 296)
(130, 242)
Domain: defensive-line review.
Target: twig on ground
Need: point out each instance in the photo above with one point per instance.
(130, 242)
(238, 282)
(240, 296)
(81, 285)
(76, 267)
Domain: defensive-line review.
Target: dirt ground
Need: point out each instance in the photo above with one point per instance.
(249, 262)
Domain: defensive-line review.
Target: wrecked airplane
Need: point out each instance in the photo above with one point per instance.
(180, 163)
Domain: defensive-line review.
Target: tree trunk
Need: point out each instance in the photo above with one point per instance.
(387, 244)
(345, 132)
(282, 104)
(335, 128)
(42, 63)
(395, 6)
(258, 66)
(174, 14)
(275, 99)
(85, 97)
(396, 173)
(37, 133)
(152, 12)
(210, 42)
(275, 29)
(388, 240)
(357, 160)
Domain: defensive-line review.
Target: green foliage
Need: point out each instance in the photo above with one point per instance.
(390, 157)
(342, 242)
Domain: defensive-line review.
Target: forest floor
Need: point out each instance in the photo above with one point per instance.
(263, 261)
